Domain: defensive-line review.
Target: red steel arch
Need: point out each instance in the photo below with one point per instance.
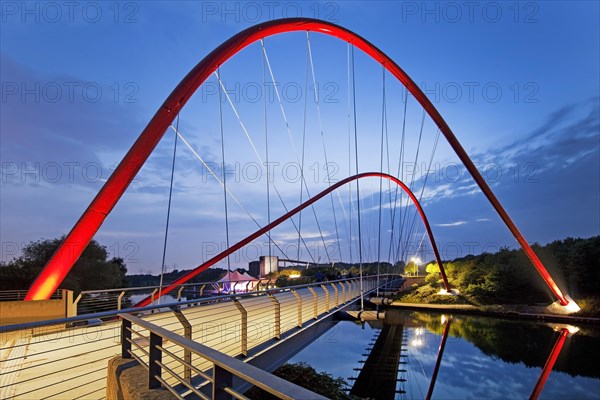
(293, 212)
(75, 242)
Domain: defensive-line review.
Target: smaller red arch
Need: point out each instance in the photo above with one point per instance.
(296, 210)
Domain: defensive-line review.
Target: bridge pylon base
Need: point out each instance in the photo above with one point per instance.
(570, 308)
(451, 292)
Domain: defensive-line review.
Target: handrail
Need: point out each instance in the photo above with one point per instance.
(157, 286)
(227, 365)
(45, 354)
(19, 294)
(114, 313)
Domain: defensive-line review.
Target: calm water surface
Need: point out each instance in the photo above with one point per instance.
(483, 358)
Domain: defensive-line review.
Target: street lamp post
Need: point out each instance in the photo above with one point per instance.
(416, 261)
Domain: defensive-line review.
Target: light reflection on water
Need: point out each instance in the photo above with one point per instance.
(483, 358)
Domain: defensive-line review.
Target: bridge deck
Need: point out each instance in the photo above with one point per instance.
(71, 363)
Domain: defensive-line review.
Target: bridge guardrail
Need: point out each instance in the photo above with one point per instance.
(16, 295)
(224, 367)
(68, 357)
(91, 301)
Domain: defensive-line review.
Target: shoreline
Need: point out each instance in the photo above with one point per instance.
(506, 314)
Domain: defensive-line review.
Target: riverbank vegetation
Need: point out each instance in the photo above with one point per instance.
(507, 277)
(93, 270)
(306, 376)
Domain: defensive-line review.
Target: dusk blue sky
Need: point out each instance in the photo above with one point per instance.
(519, 84)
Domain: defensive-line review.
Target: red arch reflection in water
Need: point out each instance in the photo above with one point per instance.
(539, 386)
(560, 341)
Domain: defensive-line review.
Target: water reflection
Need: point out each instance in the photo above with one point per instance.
(443, 357)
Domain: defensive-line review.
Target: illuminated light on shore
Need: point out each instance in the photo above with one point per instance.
(452, 292)
(570, 308)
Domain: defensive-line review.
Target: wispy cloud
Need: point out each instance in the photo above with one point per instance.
(449, 224)
(284, 236)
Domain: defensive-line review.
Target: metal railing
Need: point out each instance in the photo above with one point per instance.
(67, 358)
(17, 295)
(221, 374)
(92, 301)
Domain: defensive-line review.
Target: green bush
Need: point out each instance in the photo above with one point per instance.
(432, 280)
(590, 306)
(306, 376)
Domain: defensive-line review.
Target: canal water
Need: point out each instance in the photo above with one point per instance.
(482, 358)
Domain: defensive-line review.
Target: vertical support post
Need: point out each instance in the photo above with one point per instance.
(179, 293)
(154, 369)
(299, 302)
(221, 380)
(337, 295)
(326, 298)
(343, 292)
(315, 302)
(349, 290)
(277, 316)
(120, 299)
(201, 290)
(153, 293)
(77, 302)
(244, 314)
(70, 309)
(125, 338)
(187, 332)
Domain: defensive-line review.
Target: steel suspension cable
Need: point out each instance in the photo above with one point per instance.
(261, 162)
(380, 178)
(435, 143)
(412, 181)
(267, 158)
(223, 174)
(214, 174)
(303, 149)
(357, 184)
(399, 175)
(164, 254)
(317, 102)
(387, 147)
(350, 202)
(289, 130)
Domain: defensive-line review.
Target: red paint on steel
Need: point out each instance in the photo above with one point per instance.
(560, 341)
(291, 213)
(67, 254)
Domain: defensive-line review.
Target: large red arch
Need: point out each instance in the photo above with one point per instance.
(75, 242)
(293, 212)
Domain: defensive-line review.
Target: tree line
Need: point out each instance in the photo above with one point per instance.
(508, 276)
(93, 270)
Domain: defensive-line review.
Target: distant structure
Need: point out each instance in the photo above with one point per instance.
(264, 266)
(254, 268)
